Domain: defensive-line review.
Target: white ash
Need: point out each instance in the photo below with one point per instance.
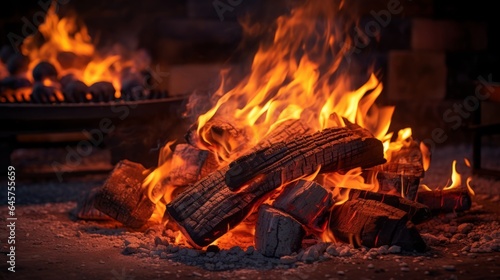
(215, 259)
(474, 230)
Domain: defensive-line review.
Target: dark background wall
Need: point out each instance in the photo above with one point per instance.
(429, 55)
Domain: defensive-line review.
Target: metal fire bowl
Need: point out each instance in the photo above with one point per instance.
(19, 118)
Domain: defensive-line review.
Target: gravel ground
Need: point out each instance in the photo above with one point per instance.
(52, 244)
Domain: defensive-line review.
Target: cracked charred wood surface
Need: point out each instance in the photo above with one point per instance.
(284, 131)
(277, 234)
(372, 223)
(85, 209)
(402, 173)
(308, 202)
(416, 212)
(209, 208)
(446, 201)
(333, 149)
(122, 196)
(187, 163)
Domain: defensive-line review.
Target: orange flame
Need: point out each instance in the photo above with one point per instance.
(426, 156)
(300, 75)
(456, 178)
(291, 79)
(64, 36)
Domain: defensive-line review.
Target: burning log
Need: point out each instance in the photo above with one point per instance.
(276, 233)
(85, 209)
(416, 212)
(334, 149)
(371, 223)
(308, 202)
(403, 172)
(216, 130)
(44, 70)
(446, 201)
(209, 208)
(122, 196)
(284, 131)
(187, 162)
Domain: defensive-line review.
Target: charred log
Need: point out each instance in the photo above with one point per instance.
(44, 70)
(372, 223)
(187, 162)
(208, 209)
(276, 233)
(85, 209)
(284, 131)
(416, 212)
(122, 196)
(401, 175)
(308, 202)
(102, 91)
(333, 149)
(446, 201)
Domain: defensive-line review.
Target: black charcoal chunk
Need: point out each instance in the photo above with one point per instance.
(132, 90)
(42, 94)
(17, 64)
(14, 82)
(44, 70)
(75, 91)
(5, 53)
(102, 91)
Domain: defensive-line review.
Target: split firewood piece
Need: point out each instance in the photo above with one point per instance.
(208, 209)
(277, 234)
(403, 172)
(284, 131)
(372, 223)
(333, 149)
(187, 162)
(416, 212)
(308, 202)
(85, 209)
(122, 196)
(215, 130)
(210, 165)
(446, 201)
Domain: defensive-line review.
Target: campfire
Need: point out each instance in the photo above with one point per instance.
(292, 151)
(295, 151)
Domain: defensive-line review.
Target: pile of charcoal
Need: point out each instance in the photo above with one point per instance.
(47, 86)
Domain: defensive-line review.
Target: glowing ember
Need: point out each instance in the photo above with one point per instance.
(456, 178)
(69, 48)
